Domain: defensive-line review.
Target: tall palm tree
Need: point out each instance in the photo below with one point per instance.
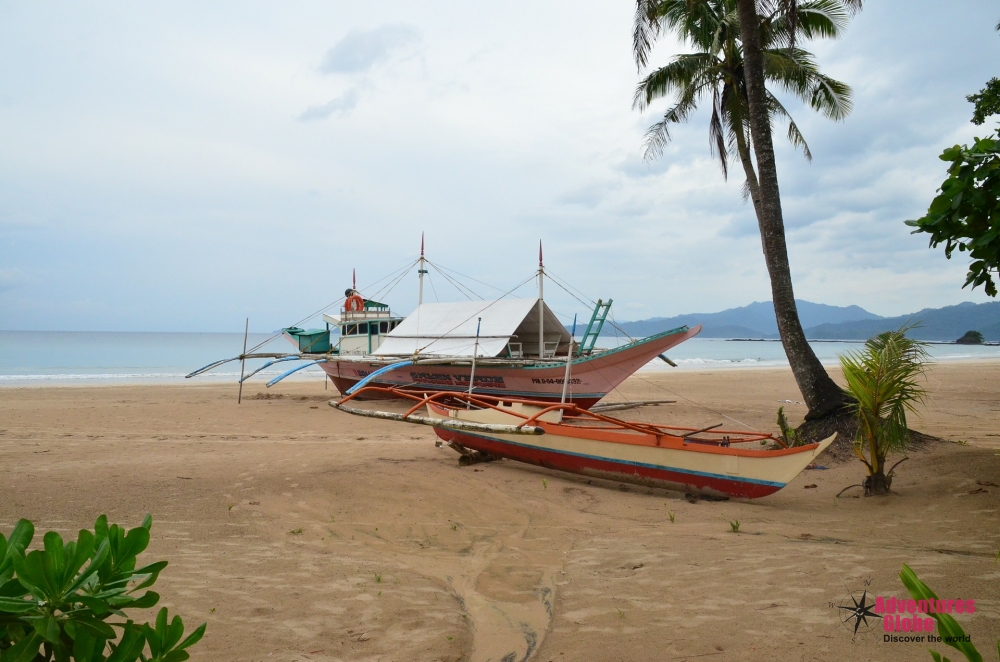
(718, 69)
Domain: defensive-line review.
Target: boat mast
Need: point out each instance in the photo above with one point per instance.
(422, 270)
(541, 304)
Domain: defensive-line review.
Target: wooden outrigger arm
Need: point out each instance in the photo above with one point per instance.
(580, 418)
(465, 426)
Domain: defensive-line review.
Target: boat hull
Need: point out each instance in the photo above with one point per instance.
(591, 378)
(690, 468)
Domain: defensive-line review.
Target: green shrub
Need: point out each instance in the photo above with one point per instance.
(67, 601)
(787, 433)
(883, 384)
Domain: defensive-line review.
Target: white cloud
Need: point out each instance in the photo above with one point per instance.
(360, 50)
(342, 105)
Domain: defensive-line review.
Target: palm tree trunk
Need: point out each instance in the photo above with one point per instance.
(820, 392)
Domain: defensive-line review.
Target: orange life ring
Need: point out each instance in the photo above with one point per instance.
(355, 303)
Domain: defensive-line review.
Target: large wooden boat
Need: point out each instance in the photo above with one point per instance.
(436, 347)
(506, 347)
(565, 437)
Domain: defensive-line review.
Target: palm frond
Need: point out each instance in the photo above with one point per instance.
(683, 72)
(645, 30)
(831, 97)
(656, 139)
(796, 72)
(716, 133)
(794, 135)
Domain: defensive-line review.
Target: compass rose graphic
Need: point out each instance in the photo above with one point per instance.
(855, 612)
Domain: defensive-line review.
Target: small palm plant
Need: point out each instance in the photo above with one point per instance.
(883, 381)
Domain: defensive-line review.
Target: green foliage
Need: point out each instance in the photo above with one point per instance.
(735, 526)
(787, 433)
(966, 212)
(673, 516)
(971, 338)
(987, 101)
(67, 601)
(715, 70)
(948, 627)
(882, 380)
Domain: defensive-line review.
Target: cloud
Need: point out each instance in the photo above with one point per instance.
(636, 166)
(342, 105)
(11, 278)
(360, 50)
(590, 195)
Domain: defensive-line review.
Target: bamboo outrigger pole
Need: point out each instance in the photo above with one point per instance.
(243, 360)
(569, 360)
(472, 373)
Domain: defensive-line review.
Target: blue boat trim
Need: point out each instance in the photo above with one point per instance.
(736, 479)
(295, 369)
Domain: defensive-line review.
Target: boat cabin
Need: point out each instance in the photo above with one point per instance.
(362, 324)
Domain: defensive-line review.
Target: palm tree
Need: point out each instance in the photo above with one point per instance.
(883, 380)
(720, 68)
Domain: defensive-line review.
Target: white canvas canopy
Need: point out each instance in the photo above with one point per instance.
(449, 329)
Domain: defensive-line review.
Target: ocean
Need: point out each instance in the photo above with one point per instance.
(38, 358)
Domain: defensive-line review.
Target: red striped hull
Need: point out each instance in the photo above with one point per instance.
(661, 477)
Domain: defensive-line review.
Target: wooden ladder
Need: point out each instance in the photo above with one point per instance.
(594, 328)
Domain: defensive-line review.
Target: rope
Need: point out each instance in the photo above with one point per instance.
(325, 308)
(458, 286)
(434, 289)
(443, 268)
(589, 302)
(474, 314)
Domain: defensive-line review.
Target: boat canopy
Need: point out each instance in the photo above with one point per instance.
(449, 329)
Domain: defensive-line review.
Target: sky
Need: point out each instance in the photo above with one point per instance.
(183, 166)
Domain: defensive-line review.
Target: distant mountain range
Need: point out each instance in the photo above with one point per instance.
(822, 322)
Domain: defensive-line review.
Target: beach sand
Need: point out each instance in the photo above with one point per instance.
(301, 533)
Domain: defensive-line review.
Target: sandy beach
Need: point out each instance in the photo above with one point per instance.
(301, 533)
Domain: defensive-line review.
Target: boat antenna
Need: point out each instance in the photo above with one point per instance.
(541, 304)
(569, 360)
(421, 270)
(354, 279)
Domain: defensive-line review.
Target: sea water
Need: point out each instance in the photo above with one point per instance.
(37, 358)
(702, 353)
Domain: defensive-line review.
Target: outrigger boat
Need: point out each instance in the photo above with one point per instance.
(566, 437)
(508, 347)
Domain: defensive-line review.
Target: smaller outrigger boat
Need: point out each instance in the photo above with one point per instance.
(566, 437)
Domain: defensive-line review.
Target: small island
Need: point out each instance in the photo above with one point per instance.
(970, 338)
